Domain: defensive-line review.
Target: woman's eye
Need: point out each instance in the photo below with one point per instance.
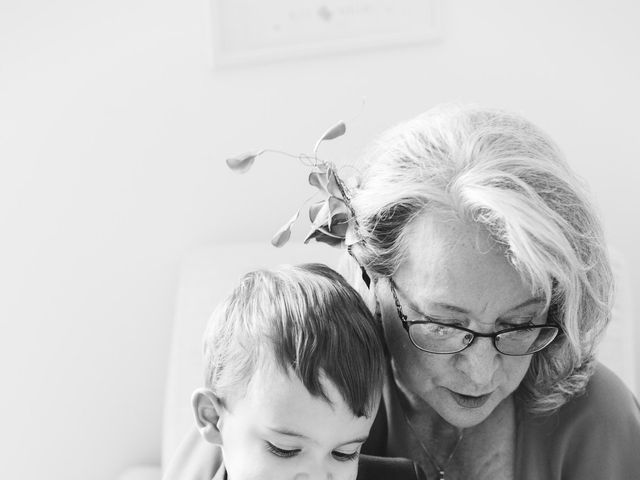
(345, 457)
(518, 322)
(445, 322)
(442, 328)
(441, 331)
(281, 452)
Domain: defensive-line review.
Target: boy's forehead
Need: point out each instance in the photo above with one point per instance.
(277, 402)
(272, 383)
(266, 375)
(275, 387)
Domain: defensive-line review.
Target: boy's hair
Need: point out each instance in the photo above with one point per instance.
(305, 319)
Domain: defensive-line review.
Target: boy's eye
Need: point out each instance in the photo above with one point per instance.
(345, 457)
(281, 452)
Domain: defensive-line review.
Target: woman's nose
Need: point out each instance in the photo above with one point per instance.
(479, 361)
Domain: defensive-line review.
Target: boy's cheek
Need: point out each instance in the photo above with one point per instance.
(261, 466)
(352, 472)
(247, 459)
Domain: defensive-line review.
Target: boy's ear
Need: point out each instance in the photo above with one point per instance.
(208, 409)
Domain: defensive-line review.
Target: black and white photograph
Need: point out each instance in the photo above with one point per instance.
(320, 240)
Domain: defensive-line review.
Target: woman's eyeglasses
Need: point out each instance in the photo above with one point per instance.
(435, 337)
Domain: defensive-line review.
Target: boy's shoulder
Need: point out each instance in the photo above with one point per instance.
(386, 468)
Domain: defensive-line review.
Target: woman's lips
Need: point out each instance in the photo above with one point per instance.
(469, 401)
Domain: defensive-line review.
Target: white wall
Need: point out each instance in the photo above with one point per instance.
(113, 132)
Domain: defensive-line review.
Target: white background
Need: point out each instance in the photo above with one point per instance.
(113, 134)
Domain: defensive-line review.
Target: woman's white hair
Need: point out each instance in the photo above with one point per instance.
(499, 170)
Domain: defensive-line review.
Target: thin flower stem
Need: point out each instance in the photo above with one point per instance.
(286, 154)
(344, 192)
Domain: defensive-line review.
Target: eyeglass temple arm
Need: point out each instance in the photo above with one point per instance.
(401, 314)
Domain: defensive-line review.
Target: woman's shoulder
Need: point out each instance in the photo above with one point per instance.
(604, 380)
(606, 402)
(594, 435)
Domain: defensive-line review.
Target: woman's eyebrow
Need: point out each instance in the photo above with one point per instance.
(447, 306)
(457, 309)
(526, 303)
(443, 305)
(413, 306)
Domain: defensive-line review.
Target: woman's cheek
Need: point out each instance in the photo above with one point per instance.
(515, 370)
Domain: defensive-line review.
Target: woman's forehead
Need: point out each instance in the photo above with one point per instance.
(434, 241)
(456, 263)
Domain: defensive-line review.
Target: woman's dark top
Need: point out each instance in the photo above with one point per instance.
(594, 436)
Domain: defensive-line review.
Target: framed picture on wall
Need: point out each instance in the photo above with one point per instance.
(255, 31)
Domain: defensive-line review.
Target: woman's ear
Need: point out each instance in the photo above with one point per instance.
(208, 410)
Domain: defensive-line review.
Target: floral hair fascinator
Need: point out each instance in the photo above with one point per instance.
(329, 216)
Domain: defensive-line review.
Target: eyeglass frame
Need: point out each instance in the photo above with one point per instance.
(406, 324)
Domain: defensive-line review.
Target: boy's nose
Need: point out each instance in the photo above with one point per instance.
(317, 474)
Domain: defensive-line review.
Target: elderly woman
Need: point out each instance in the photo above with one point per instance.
(487, 267)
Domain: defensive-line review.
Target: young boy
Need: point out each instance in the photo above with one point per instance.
(293, 373)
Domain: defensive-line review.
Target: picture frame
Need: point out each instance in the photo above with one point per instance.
(257, 31)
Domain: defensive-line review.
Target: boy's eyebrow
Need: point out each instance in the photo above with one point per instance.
(292, 433)
(285, 431)
(357, 440)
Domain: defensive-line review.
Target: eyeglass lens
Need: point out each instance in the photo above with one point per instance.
(436, 338)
